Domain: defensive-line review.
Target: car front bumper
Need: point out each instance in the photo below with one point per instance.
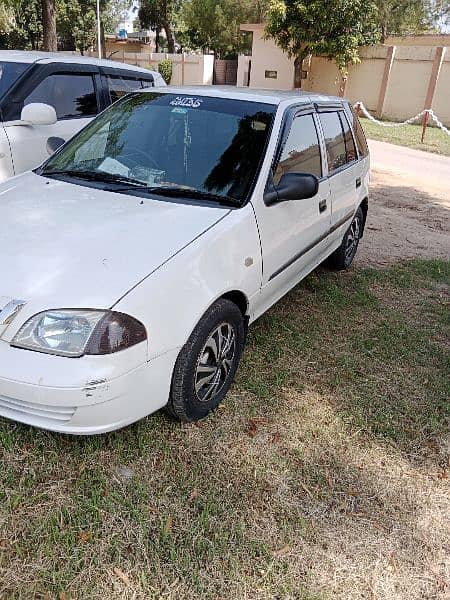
(83, 396)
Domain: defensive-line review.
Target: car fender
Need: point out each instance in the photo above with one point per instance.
(171, 301)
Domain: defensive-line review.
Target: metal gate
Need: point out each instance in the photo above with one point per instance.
(225, 72)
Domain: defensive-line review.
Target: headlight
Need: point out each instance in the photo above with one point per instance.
(72, 332)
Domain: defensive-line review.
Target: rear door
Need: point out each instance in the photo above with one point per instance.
(344, 170)
(73, 91)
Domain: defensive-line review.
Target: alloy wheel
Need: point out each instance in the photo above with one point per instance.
(352, 240)
(215, 362)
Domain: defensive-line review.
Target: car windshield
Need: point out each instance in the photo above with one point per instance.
(9, 73)
(172, 143)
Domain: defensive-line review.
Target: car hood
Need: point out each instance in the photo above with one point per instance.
(68, 246)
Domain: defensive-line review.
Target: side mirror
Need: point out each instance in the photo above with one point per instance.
(53, 143)
(38, 113)
(292, 186)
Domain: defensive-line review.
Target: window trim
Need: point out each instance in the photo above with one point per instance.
(34, 77)
(290, 114)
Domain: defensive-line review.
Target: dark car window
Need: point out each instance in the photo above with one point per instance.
(169, 141)
(72, 95)
(350, 148)
(120, 86)
(146, 83)
(301, 152)
(361, 142)
(9, 73)
(334, 140)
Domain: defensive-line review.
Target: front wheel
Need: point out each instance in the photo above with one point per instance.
(343, 257)
(207, 363)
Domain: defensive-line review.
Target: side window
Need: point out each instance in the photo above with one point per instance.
(301, 151)
(120, 86)
(146, 83)
(350, 148)
(359, 132)
(72, 95)
(334, 140)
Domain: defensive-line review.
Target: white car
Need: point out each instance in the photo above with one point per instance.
(134, 259)
(46, 98)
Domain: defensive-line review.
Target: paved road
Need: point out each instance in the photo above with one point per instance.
(409, 206)
(423, 170)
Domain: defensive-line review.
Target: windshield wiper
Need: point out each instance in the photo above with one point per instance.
(174, 191)
(96, 176)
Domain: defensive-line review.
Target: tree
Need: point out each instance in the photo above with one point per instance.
(402, 17)
(76, 21)
(50, 43)
(157, 15)
(23, 29)
(215, 24)
(76, 24)
(334, 28)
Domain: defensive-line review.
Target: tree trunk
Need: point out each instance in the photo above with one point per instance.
(298, 64)
(157, 32)
(50, 43)
(102, 39)
(170, 38)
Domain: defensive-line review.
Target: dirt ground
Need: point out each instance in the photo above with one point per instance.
(409, 212)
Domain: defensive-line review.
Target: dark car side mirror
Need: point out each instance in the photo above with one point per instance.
(292, 186)
(53, 143)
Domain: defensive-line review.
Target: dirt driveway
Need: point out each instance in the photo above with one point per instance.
(409, 212)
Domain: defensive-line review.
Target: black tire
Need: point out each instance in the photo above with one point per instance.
(190, 397)
(343, 257)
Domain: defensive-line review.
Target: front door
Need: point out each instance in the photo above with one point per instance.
(294, 233)
(74, 97)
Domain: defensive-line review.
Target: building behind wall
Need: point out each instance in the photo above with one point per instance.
(394, 80)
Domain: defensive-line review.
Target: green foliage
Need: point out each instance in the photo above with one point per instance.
(213, 25)
(21, 22)
(157, 15)
(334, 28)
(165, 69)
(76, 24)
(402, 17)
(23, 28)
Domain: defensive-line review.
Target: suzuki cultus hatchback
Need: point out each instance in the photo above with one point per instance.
(134, 259)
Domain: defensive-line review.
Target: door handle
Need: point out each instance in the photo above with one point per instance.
(323, 205)
(358, 182)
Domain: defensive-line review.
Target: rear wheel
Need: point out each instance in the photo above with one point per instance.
(207, 363)
(343, 257)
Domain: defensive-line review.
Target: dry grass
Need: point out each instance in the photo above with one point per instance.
(323, 476)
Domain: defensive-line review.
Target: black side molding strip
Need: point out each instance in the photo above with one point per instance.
(311, 246)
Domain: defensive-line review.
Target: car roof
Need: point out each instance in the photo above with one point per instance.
(251, 94)
(24, 56)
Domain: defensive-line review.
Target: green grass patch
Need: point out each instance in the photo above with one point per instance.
(409, 135)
